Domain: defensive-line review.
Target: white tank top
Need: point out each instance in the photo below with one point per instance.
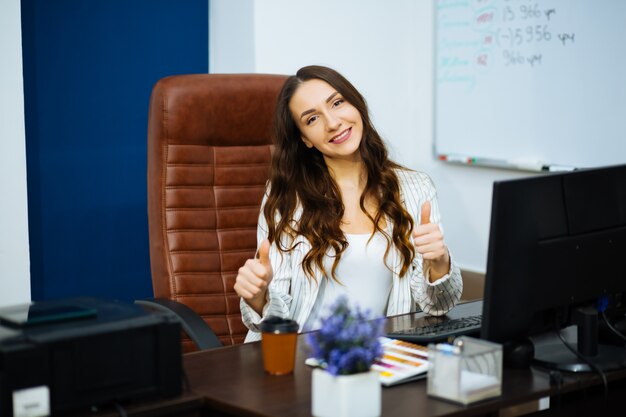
(364, 278)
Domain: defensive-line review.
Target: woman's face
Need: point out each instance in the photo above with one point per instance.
(326, 120)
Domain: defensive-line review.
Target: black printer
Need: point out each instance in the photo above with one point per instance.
(87, 352)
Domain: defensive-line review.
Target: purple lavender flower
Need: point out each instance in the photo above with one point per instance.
(348, 341)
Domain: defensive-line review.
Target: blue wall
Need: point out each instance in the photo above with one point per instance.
(89, 67)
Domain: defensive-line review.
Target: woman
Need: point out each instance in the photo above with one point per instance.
(339, 217)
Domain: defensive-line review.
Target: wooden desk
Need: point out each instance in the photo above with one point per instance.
(233, 383)
(186, 405)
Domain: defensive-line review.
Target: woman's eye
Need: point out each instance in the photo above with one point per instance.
(311, 120)
(338, 102)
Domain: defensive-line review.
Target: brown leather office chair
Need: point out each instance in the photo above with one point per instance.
(209, 151)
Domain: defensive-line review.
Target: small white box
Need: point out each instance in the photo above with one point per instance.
(466, 371)
(31, 402)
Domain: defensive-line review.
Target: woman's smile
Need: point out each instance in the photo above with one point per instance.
(342, 137)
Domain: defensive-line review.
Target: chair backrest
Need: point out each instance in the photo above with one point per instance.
(209, 150)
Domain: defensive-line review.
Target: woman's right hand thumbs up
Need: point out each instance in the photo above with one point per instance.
(254, 277)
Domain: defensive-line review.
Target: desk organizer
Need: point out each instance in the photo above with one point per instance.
(466, 371)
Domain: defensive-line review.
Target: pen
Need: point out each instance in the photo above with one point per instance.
(448, 349)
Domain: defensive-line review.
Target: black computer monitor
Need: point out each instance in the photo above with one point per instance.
(557, 245)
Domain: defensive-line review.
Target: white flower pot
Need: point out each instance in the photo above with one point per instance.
(355, 395)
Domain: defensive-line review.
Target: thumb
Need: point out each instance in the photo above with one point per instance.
(425, 214)
(264, 253)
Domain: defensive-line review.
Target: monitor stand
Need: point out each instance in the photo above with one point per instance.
(550, 352)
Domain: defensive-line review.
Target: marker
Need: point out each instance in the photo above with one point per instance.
(529, 165)
(559, 168)
(456, 158)
(495, 163)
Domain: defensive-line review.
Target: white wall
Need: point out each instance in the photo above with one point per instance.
(232, 22)
(14, 260)
(385, 48)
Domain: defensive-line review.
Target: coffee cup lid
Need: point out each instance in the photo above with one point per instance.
(278, 325)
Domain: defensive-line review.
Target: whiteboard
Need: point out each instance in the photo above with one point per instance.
(530, 84)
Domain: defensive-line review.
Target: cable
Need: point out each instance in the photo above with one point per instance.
(591, 365)
(120, 409)
(186, 384)
(617, 332)
(556, 379)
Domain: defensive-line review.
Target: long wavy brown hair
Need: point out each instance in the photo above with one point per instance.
(300, 177)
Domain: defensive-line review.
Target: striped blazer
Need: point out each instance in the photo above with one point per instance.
(292, 295)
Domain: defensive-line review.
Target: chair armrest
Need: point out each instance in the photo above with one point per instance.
(195, 327)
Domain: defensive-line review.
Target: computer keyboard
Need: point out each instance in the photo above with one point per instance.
(440, 331)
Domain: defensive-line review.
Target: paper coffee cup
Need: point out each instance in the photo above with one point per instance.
(278, 342)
